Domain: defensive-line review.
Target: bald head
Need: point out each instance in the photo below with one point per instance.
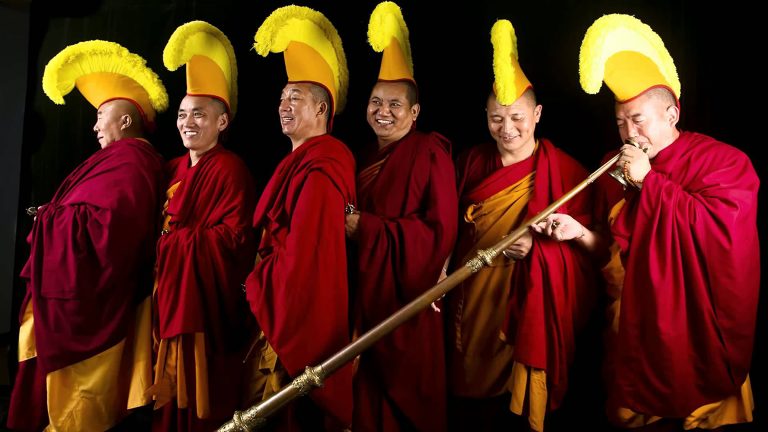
(117, 119)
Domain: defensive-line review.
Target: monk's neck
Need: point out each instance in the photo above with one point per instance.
(511, 157)
(196, 155)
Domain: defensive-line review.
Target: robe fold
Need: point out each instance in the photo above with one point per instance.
(688, 242)
(204, 256)
(90, 267)
(528, 311)
(298, 288)
(406, 230)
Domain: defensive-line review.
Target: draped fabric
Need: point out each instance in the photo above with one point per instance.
(689, 245)
(406, 231)
(545, 297)
(202, 322)
(298, 289)
(89, 269)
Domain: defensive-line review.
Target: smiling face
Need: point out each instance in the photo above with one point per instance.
(303, 112)
(512, 126)
(200, 120)
(391, 111)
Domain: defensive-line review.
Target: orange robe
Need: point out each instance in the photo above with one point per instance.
(513, 324)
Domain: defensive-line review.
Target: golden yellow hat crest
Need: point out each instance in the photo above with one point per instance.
(388, 33)
(103, 71)
(510, 81)
(210, 60)
(311, 47)
(628, 55)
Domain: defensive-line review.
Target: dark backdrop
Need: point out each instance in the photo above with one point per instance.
(714, 47)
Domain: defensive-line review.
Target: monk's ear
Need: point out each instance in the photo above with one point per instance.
(322, 107)
(673, 115)
(125, 122)
(415, 110)
(223, 121)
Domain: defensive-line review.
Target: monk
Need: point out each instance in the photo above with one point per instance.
(512, 326)
(684, 255)
(679, 246)
(298, 287)
(85, 355)
(204, 255)
(404, 231)
(89, 270)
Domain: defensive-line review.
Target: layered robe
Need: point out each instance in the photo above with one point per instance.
(298, 288)
(406, 230)
(201, 327)
(513, 324)
(84, 340)
(685, 284)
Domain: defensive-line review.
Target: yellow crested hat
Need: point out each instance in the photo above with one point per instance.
(510, 81)
(103, 71)
(311, 47)
(210, 60)
(388, 34)
(628, 55)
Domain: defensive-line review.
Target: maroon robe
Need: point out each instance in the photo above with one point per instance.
(406, 230)
(690, 248)
(298, 290)
(90, 265)
(552, 289)
(201, 263)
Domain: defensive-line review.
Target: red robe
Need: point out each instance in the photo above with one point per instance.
(406, 230)
(551, 290)
(298, 290)
(201, 263)
(690, 248)
(90, 265)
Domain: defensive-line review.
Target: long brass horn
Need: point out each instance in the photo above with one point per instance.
(256, 416)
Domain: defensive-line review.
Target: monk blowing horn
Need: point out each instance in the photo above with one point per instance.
(256, 416)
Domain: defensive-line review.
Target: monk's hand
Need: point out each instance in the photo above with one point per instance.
(560, 227)
(519, 249)
(350, 225)
(635, 162)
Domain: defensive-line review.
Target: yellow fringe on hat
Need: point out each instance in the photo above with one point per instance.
(611, 34)
(199, 38)
(97, 57)
(510, 81)
(386, 23)
(504, 43)
(302, 24)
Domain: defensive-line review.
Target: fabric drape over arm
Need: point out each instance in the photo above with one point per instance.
(298, 289)
(91, 252)
(205, 256)
(690, 248)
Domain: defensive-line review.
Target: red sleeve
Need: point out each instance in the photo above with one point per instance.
(298, 292)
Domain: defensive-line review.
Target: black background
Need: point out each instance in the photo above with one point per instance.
(715, 48)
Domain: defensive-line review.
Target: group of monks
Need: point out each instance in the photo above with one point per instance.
(175, 294)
